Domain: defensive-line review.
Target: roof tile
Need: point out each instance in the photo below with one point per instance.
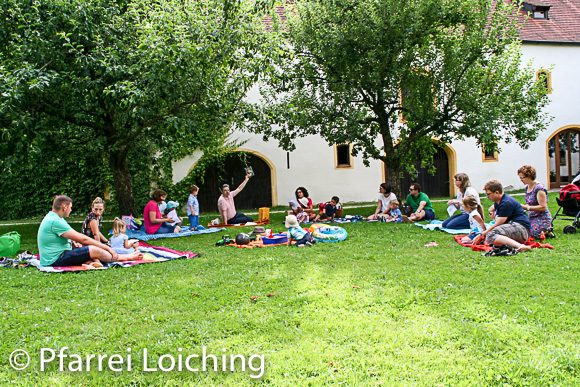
(562, 26)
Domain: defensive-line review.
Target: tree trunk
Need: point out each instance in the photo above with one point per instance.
(123, 183)
(392, 178)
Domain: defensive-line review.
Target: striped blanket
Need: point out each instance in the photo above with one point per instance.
(151, 254)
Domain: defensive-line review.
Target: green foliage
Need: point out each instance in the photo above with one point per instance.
(54, 162)
(348, 70)
(214, 159)
(147, 82)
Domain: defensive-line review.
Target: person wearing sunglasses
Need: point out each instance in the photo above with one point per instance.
(420, 205)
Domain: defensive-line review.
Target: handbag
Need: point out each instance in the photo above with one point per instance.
(9, 244)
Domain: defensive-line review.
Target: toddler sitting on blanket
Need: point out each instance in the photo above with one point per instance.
(120, 242)
(476, 222)
(301, 236)
(171, 213)
(393, 214)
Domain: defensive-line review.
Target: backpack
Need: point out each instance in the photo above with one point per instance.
(131, 222)
(9, 244)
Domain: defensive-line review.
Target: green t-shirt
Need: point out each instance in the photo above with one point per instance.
(415, 201)
(50, 242)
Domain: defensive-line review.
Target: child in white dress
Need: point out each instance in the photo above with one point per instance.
(171, 212)
(476, 223)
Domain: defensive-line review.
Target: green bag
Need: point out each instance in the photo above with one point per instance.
(9, 244)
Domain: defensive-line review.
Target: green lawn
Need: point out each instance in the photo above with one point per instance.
(379, 308)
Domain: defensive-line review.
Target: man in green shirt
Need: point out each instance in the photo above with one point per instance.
(420, 203)
(55, 236)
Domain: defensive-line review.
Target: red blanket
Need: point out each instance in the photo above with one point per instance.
(481, 247)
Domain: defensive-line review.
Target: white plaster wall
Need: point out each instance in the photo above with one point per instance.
(564, 106)
(182, 167)
(312, 164)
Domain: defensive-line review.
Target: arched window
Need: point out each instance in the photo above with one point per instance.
(545, 77)
(564, 157)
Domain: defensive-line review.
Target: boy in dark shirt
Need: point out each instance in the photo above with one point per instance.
(512, 225)
(329, 210)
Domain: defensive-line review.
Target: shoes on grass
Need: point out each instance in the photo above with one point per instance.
(501, 251)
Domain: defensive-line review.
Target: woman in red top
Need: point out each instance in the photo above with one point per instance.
(154, 222)
(304, 211)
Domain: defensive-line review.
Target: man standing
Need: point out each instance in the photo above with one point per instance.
(512, 225)
(55, 235)
(226, 206)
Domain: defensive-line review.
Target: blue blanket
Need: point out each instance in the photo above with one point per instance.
(185, 231)
(438, 225)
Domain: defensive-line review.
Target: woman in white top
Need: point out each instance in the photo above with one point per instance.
(383, 202)
(461, 221)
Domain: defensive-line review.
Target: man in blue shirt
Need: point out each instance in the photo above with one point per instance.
(512, 225)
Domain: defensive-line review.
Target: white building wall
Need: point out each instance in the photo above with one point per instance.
(564, 107)
(312, 164)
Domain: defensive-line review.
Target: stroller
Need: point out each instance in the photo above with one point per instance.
(569, 202)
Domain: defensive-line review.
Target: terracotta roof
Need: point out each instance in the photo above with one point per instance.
(537, 2)
(280, 10)
(562, 25)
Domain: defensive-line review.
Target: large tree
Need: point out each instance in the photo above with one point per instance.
(146, 82)
(389, 76)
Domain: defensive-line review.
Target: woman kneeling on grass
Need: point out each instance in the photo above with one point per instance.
(92, 224)
(536, 203)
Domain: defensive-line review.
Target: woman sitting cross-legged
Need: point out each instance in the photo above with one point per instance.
(386, 196)
(153, 221)
(303, 207)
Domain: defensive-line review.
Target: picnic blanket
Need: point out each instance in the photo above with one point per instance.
(259, 244)
(481, 247)
(151, 254)
(438, 225)
(221, 225)
(143, 236)
(350, 219)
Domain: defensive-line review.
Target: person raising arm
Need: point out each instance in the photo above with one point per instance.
(227, 207)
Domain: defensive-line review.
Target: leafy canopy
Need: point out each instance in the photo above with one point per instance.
(388, 76)
(146, 82)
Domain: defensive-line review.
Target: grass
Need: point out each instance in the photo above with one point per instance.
(377, 309)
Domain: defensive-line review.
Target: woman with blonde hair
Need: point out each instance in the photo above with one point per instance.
(461, 221)
(92, 224)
